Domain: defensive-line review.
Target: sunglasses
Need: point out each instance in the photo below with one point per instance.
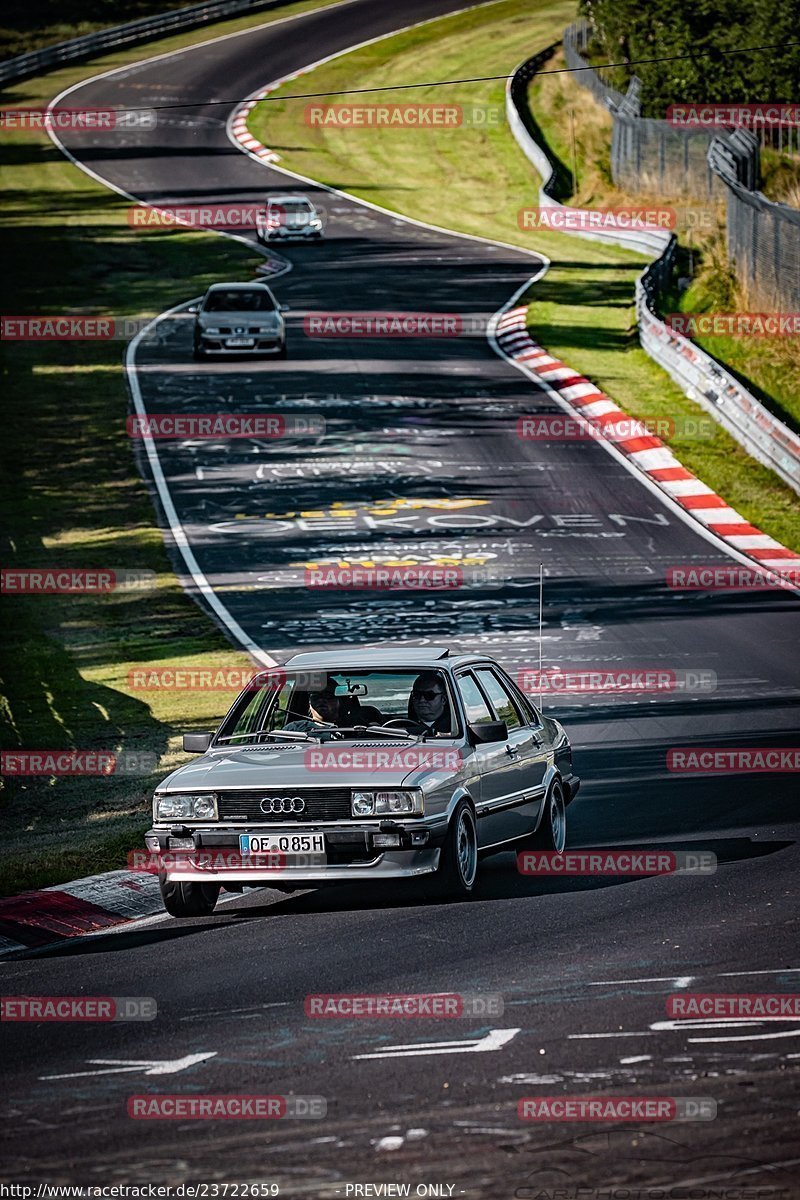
(431, 694)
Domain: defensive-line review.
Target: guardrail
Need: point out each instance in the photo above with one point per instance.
(142, 30)
(699, 376)
(706, 381)
(645, 241)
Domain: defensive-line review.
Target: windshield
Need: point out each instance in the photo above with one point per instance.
(316, 703)
(292, 206)
(239, 300)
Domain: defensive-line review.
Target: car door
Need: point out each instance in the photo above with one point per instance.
(487, 759)
(494, 762)
(527, 752)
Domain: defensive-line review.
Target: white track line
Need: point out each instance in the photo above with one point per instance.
(178, 532)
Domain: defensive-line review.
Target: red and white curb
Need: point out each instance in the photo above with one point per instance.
(645, 451)
(244, 137)
(48, 916)
(237, 122)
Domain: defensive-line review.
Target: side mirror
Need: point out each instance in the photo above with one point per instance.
(193, 308)
(196, 743)
(284, 308)
(488, 731)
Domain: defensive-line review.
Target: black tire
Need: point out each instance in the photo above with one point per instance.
(552, 831)
(198, 352)
(282, 352)
(458, 863)
(189, 899)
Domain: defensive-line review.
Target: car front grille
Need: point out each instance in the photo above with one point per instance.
(320, 804)
(245, 330)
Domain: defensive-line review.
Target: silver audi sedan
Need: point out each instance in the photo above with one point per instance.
(362, 765)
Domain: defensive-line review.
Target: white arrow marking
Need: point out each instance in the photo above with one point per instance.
(149, 1067)
(494, 1040)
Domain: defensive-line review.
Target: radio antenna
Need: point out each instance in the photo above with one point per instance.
(541, 598)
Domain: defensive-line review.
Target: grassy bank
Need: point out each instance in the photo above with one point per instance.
(74, 499)
(476, 179)
(768, 366)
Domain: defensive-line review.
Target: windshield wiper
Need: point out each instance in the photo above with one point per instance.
(293, 735)
(254, 739)
(403, 733)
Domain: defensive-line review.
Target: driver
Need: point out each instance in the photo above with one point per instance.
(429, 704)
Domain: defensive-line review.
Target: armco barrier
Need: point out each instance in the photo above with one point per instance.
(645, 241)
(706, 381)
(142, 30)
(698, 375)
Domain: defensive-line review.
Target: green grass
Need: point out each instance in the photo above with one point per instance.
(73, 497)
(768, 366)
(476, 181)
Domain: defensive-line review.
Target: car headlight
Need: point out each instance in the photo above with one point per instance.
(199, 807)
(210, 329)
(387, 804)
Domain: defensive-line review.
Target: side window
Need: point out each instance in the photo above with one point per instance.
(503, 704)
(474, 703)
(524, 702)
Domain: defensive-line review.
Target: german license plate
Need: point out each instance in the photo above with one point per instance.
(240, 342)
(281, 843)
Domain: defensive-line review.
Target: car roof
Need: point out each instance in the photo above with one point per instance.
(237, 287)
(385, 656)
(295, 196)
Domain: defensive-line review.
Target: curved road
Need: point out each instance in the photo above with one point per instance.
(420, 458)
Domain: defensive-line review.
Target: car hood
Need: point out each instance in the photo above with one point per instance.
(304, 217)
(308, 765)
(265, 320)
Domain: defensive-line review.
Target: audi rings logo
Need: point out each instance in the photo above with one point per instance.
(282, 804)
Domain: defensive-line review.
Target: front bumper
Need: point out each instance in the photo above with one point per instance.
(349, 850)
(215, 344)
(275, 235)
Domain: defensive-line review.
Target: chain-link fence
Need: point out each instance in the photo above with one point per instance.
(653, 157)
(648, 156)
(763, 237)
